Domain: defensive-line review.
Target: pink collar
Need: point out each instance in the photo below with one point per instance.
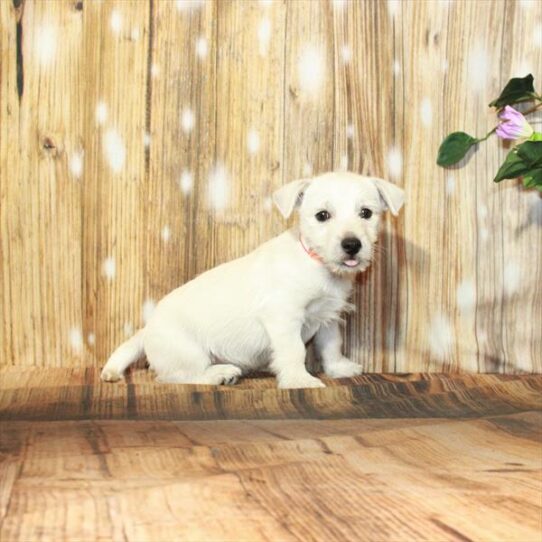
(309, 251)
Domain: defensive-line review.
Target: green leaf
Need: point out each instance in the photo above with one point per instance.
(454, 148)
(531, 153)
(537, 136)
(512, 167)
(524, 160)
(533, 178)
(516, 90)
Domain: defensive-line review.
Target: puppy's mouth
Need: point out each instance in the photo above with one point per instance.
(355, 264)
(351, 263)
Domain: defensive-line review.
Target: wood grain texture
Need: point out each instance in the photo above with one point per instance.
(112, 246)
(180, 159)
(364, 129)
(474, 475)
(64, 394)
(278, 90)
(40, 204)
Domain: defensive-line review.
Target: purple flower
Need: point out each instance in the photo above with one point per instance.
(514, 124)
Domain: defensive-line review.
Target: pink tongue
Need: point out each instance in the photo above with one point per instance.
(351, 263)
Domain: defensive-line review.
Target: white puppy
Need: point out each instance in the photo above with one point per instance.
(257, 312)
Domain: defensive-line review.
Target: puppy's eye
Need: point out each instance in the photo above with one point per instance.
(322, 216)
(366, 213)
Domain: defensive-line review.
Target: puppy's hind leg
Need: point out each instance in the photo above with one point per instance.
(178, 359)
(122, 357)
(222, 373)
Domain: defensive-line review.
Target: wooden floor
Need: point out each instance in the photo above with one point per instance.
(375, 458)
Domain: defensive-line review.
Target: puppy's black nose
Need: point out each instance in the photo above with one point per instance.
(351, 245)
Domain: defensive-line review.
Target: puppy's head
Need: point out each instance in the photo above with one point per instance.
(339, 215)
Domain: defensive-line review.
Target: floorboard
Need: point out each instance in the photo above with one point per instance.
(377, 458)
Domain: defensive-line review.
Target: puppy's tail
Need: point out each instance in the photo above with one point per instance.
(122, 357)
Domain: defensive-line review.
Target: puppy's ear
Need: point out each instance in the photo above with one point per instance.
(289, 196)
(393, 196)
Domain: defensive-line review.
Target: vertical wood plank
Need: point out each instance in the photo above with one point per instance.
(363, 132)
(520, 213)
(456, 346)
(11, 334)
(41, 115)
(181, 118)
(116, 45)
(434, 250)
(308, 90)
(488, 213)
(308, 94)
(250, 83)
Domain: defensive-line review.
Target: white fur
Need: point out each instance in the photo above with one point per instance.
(257, 312)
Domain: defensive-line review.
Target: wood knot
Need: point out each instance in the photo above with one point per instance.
(429, 37)
(49, 147)
(78, 6)
(48, 144)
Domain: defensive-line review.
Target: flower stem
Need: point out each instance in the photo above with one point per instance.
(488, 134)
(532, 109)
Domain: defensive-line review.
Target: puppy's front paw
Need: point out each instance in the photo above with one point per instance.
(110, 375)
(342, 368)
(303, 380)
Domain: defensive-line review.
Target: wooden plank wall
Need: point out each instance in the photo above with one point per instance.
(140, 141)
